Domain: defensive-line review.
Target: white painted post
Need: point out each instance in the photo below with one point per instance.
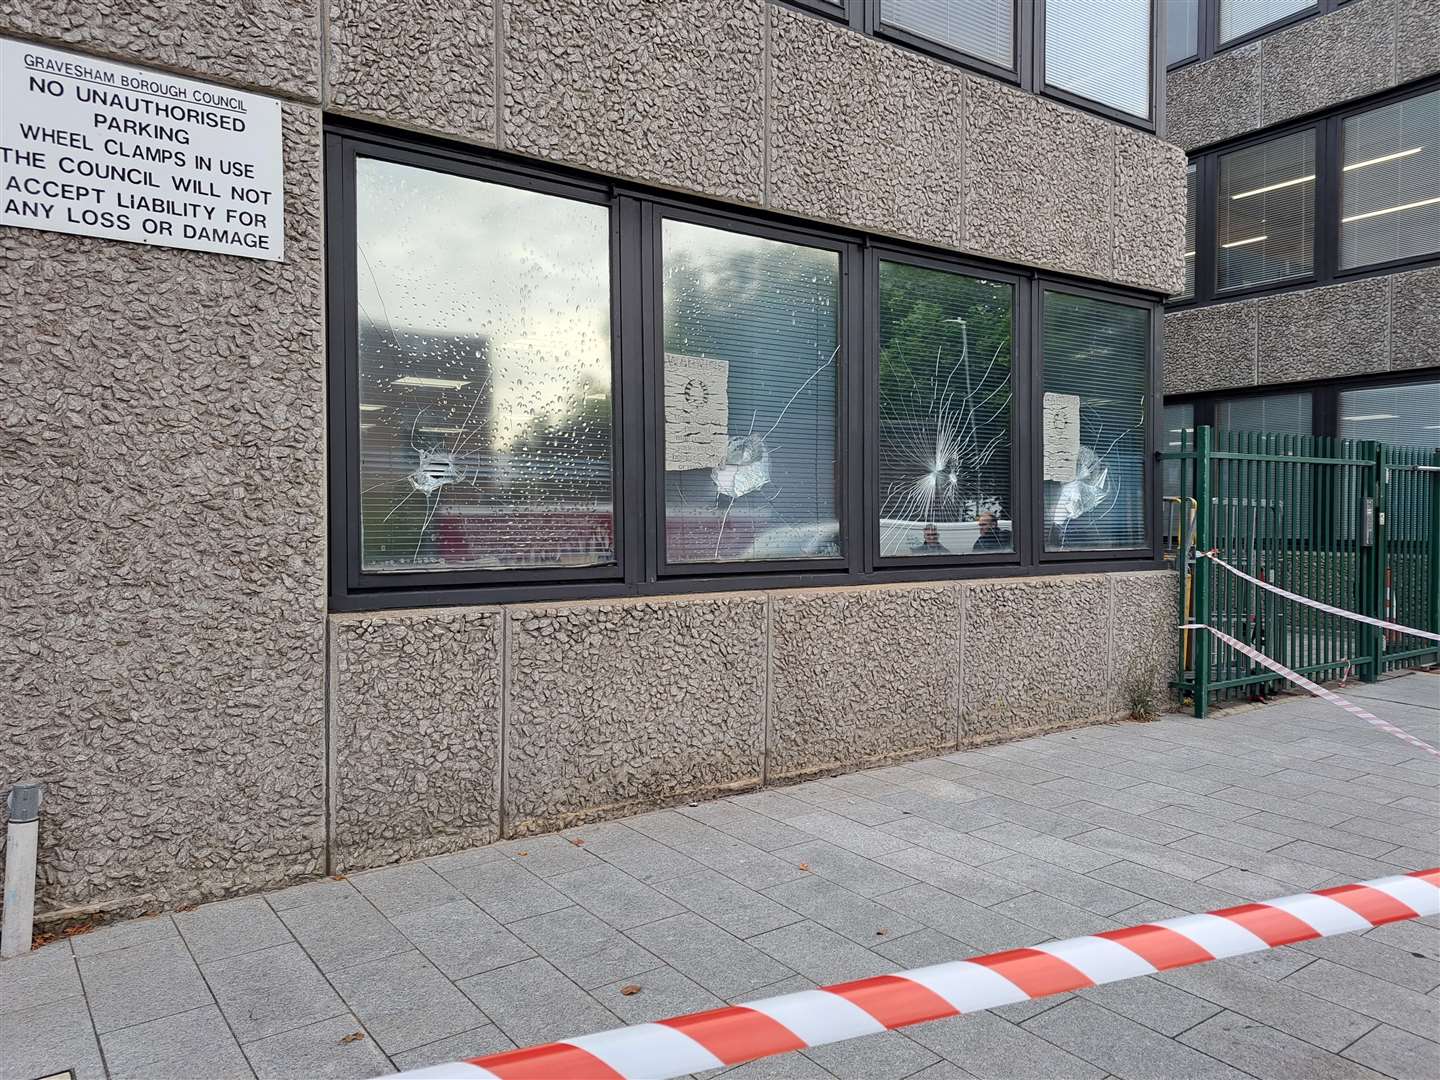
(21, 836)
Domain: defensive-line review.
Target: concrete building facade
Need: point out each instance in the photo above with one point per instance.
(232, 672)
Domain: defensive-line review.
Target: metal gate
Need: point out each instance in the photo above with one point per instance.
(1352, 524)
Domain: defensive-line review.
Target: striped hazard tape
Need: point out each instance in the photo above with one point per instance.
(1356, 616)
(721, 1037)
(1315, 688)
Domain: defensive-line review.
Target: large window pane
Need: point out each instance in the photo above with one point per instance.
(1407, 415)
(1178, 435)
(1192, 184)
(484, 374)
(1096, 359)
(1100, 52)
(1266, 216)
(980, 28)
(1273, 414)
(751, 355)
(1182, 22)
(945, 403)
(1240, 17)
(1391, 182)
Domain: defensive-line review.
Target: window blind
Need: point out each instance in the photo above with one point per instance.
(1182, 26)
(1100, 52)
(1240, 17)
(979, 28)
(1266, 213)
(1390, 182)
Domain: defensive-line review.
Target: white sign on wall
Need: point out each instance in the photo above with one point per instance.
(101, 149)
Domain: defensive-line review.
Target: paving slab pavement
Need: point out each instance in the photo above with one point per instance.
(838, 878)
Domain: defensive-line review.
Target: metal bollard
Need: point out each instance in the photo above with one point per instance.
(23, 804)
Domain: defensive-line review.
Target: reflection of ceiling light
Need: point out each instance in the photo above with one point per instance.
(1247, 240)
(1189, 254)
(602, 396)
(1391, 209)
(1388, 157)
(1372, 416)
(443, 430)
(1274, 187)
(371, 408)
(425, 380)
(1432, 427)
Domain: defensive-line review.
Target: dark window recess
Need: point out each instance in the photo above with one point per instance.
(1390, 182)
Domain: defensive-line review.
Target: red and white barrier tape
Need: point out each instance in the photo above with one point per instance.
(721, 1037)
(1342, 612)
(1314, 688)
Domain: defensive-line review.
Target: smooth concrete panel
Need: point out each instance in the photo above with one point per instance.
(266, 45)
(1417, 44)
(1214, 100)
(1209, 348)
(863, 133)
(162, 556)
(1415, 319)
(414, 743)
(664, 91)
(631, 702)
(1148, 241)
(1037, 181)
(1328, 60)
(1324, 333)
(1036, 655)
(1143, 638)
(415, 63)
(862, 674)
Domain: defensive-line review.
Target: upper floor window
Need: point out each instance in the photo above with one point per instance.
(1182, 30)
(1100, 52)
(1407, 415)
(1265, 225)
(984, 29)
(1192, 193)
(1390, 182)
(1241, 17)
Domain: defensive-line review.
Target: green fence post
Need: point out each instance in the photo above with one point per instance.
(1200, 651)
(1432, 541)
(1375, 565)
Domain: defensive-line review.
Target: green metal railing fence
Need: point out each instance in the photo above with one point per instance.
(1348, 523)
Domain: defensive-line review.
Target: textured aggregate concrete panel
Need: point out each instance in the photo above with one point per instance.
(1415, 319)
(1328, 60)
(1417, 44)
(1324, 333)
(269, 45)
(1143, 643)
(162, 555)
(1035, 656)
(665, 91)
(416, 63)
(1209, 348)
(1148, 246)
(1037, 180)
(861, 674)
(863, 133)
(414, 734)
(1215, 100)
(616, 703)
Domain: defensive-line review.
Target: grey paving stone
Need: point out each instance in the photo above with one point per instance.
(504, 890)
(614, 896)
(1031, 794)
(1396, 1053)
(585, 948)
(125, 935)
(956, 816)
(1082, 890)
(718, 961)
(318, 1052)
(272, 990)
(745, 825)
(45, 1039)
(1399, 835)
(1137, 799)
(1352, 866)
(461, 860)
(143, 982)
(970, 882)
(921, 949)
(547, 856)
(1374, 957)
(1052, 823)
(404, 1002)
(396, 890)
(756, 869)
(821, 954)
(1316, 815)
(487, 1039)
(181, 1047)
(531, 1002)
(988, 1046)
(793, 1066)
(1071, 855)
(1242, 832)
(837, 908)
(1159, 1006)
(637, 854)
(1270, 963)
(1122, 1047)
(857, 874)
(728, 904)
(1270, 863)
(1411, 858)
(1277, 1004)
(1266, 1053)
(1152, 827)
(312, 892)
(980, 928)
(850, 835)
(1412, 935)
(847, 804)
(39, 977)
(663, 992)
(791, 984)
(941, 1070)
(1398, 1006)
(343, 932)
(1250, 885)
(773, 804)
(950, 842)
(1148, 911)
(461, 940)
(1166, 858)
(231, 927)
(886, 1056)
(1055, 917)
(1190, 896)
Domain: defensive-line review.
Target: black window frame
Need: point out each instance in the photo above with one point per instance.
(1028, 53)
(637, 357)
(1329, 166)
(1207, 30)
